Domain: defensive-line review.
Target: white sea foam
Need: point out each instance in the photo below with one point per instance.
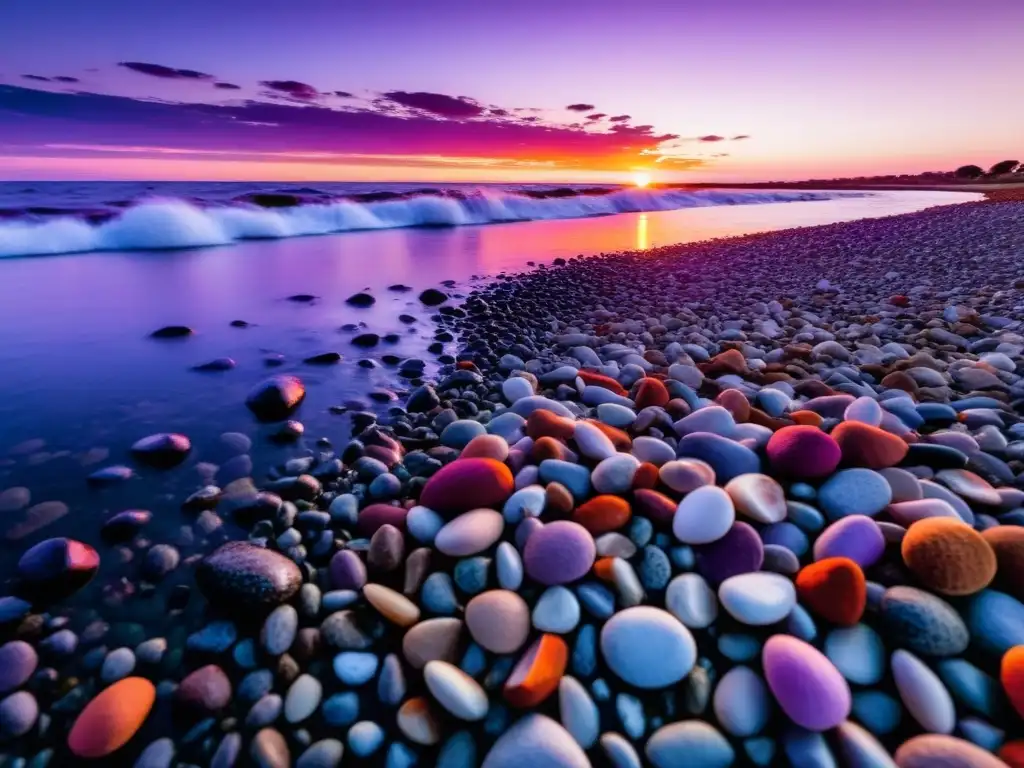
(168, 224)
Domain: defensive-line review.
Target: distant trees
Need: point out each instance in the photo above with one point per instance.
(969, 172)
(1006, 166)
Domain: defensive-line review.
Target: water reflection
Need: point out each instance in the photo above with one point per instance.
(641, 232)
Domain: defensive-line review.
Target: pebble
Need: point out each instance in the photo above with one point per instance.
(810, 690)
(535, 740)
(499, 620)
(690, 599)
(757, 599)
(704, 515)
(923, 623)
(557, 610)
(303, 698)
(633, 638)
(456, 691)
(559, 553)
(18, 662)
(857, 652)
(854, 492)
(111, 719)
(689, 742)
(470, 533)
(741, 702)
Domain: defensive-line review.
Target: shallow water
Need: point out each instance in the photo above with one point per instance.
(77, 371)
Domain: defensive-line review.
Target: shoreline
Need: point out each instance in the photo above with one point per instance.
(727, 451)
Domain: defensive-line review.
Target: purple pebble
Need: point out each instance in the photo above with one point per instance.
(739, 551)
(857, 537)
(559, 553)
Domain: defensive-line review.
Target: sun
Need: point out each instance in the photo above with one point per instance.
(641, 178)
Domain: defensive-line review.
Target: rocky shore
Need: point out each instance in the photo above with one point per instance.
(757, 501)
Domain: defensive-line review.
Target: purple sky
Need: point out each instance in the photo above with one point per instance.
(453, 90)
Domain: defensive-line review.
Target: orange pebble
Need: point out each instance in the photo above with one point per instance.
(603, 569)
(736, 403)
(650, 392)
(866, 446)
(109, 721)
(547, 448)
(558, 501)
(543, 423)
(834, 588)
(807, 418)
(1011, 674)
(536, 675)
(646, 476)
(600, 380)
(602, 514)
(762, 419)
(620, 439)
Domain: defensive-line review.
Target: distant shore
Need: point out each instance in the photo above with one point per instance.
(997, 191)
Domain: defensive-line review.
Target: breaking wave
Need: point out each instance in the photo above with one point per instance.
(174, 223)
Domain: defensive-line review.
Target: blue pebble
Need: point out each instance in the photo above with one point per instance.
(803, 492)
(905, 410)
(471, 574)
(1016, 517)
(854, 492)
(400, 755)
(996, 622)
(599, 688)
(805, 516)
(729, 459)
(786, 535)
(497, 719)
(631, 714)
(760, 751)
(879, 712)
(780, 560)
(365, 738)
(938, 414)
(978, 401)
(986, 736)
(683, 557)
(459, 751)
(244, 654)
(739, 648)
(655, 569)
(805, 749)
(499, 672)
(972, 687)
(215, 637)
(596, 599)
(584, 651)
(875, 591)
(341, 709)
(575, 477)
(255, 685)
(438, 594)
(474, 660)
(641, 530)
(860, 749)
(800, 624)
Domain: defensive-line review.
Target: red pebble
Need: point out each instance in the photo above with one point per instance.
(650, 392)
(835, 589)
(866, 446)
(602, 514)
(1011, 674)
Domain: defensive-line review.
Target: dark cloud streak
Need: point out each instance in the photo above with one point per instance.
(437, 103)
(167, 73)
(580, 107)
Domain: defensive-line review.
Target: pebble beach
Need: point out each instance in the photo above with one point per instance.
(755, 501)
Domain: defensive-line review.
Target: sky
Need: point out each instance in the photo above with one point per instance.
(531, 90)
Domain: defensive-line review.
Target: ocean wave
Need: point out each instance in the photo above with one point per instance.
(161, 224)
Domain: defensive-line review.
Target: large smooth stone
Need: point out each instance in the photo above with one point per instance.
(499, 620)
(110, 720)
(741, 702)
(239, 576)
(686, 475)
(18, 660)
(923, 693)
(578, 712)
(592, 442)
(863, 445)
(690, 599)
(470, 533)
(727, 458)
(803, 452)
(615, 474)
(906, 513)
(948, 556)
(739, 551)
(559, 553)
(162, 451)
(923, 623)
(854, 492)
(467, 484)
(647, 647)
(996, 621)
(857, 537)
(757, 599)
(276, 398)
(759, 497)
(810, 690)
(536, 741)
(689, 743)
(933, 750)
(557, 610)
(456, 691)
(703, 516)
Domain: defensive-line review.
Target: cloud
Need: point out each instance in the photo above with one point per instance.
(619, 118)
(455, 130)
(580, 107)
(65, 79)
(168, 73)
(344, 95)
(292, 88)
(436, 103)
(596, 116)
(38, 78)
(227, 86)
(710, 138)
(741, 137)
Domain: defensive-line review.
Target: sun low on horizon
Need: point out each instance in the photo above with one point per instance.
(642, 179)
